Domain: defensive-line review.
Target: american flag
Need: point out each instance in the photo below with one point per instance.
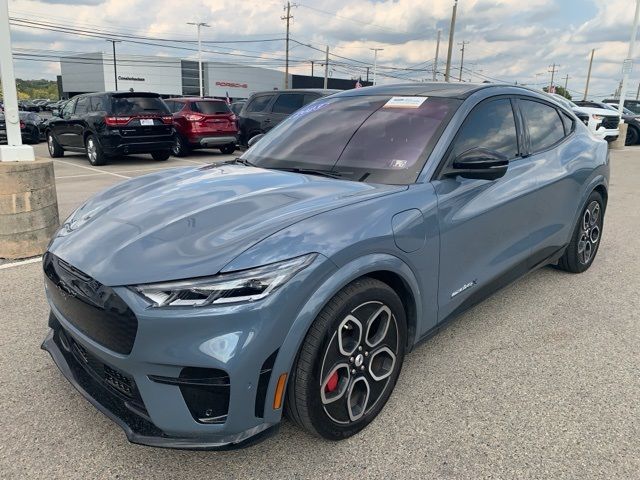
(228, 99)
(358, 84)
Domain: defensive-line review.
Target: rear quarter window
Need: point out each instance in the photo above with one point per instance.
(543, 123)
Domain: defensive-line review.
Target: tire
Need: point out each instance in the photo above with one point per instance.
(632, 136)
(323, 383)
(180, 147)
(35, 136)
(586, 237)
(228, 149)
(55, 150)
(95, 153)
(161, 156)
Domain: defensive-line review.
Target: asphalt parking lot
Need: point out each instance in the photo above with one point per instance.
(540, 381)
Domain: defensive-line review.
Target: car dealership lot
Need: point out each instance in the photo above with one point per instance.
(541, 380)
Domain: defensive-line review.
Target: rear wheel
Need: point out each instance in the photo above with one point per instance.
(349, 362)
(180, 147)
(162, 155)
(55, 150)
(94, 152)
(228, 149)
(582, 250)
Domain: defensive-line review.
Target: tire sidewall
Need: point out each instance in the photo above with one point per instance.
(573, 262)
(321, 422)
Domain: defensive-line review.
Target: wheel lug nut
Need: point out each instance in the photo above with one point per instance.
(366, 354)
(353, 370)
(360, 348)
(351, 359)
(362, 367)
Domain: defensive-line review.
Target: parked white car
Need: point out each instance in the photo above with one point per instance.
(602, 122)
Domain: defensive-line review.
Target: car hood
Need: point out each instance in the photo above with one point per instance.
(184, 223)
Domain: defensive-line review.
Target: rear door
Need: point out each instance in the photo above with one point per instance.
(485, 225)
(556, 201)
(77, 123)
(255, 117)
(283, 106)
(61, 126)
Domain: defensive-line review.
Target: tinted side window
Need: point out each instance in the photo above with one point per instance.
(82, 106)
(310, 97)
(258, 104)
(97, 104)
(490, 125)
(68, 108)
(288, 103)
(544, 124)
(567, 121)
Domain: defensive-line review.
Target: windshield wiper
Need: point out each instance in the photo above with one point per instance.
(241, 161)
(310, 171)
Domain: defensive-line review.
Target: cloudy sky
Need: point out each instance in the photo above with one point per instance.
(509, 40)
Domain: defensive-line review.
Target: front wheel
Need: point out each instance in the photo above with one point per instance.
(349, 362)
(632, 136)
(161, 156)
(580, 253)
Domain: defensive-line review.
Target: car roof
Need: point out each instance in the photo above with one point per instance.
(430, 89)
(324, 91)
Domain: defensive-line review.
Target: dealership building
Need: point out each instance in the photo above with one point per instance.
(168, 76)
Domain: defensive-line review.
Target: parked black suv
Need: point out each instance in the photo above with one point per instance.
(264, 110)
(633, 105)
(112, 124)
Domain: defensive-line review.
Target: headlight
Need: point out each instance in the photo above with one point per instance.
(233, 287)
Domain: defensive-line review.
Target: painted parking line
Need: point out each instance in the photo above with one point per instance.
(20, 263)
(121, 172)
(92, 169)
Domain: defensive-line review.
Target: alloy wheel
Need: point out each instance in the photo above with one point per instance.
(358, 362)
(589, 234)
(92, 152)
(50, 145)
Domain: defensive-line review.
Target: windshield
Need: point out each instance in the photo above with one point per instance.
(378, 139)
(137, 105)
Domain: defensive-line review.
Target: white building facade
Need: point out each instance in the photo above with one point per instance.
(94, 72)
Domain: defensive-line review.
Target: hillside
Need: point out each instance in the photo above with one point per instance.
(30, 89)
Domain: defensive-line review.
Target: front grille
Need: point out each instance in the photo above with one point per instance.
(114, 380)
(94, 309)
(610, 123)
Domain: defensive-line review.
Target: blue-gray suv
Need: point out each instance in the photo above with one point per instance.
(194, 305)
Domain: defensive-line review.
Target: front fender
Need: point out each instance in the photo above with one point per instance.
(347, 273)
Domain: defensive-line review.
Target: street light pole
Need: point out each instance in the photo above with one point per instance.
(375, 62)
(199, 25)
(115, 68)
(628, 63)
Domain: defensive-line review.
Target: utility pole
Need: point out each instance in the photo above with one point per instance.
(326, 68)
(312, 62)
(115, 69)
(553, 69)
(288, 18)
(462, 58)
(586, 88)
(638, 92)
(375, 62)
(199, 25)
(566, 81)
(370, 67)
(627, 66)
(435, 62)
(450, 49)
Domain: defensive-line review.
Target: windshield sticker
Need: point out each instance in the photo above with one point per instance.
(398, 163)
(312, 107)
(404, 102)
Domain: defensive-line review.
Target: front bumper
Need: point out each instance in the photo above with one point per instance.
(131, 418)
(245, 342)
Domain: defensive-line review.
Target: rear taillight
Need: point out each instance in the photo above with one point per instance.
(116, 121)
(22, 125)
(167, 119)
(233, 118)
(192, 117)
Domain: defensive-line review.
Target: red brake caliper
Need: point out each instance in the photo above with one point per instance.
(332, 384)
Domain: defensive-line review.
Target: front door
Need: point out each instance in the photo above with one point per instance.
(484, 224)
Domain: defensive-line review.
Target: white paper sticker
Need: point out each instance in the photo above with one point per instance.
(405, 102)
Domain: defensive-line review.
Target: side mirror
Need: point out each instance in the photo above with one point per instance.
(253, 140)
(480, 163)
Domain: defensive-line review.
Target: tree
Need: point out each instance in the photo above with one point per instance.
(560, 91)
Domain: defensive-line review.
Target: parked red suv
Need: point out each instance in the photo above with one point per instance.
(202, 123)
